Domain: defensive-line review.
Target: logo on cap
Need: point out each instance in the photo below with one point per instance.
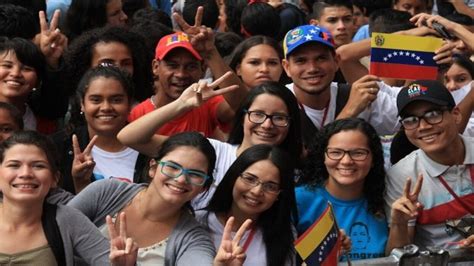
(415, 90)
(177, 38)
(294, 36)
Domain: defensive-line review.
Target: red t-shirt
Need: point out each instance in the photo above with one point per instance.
(202, 119)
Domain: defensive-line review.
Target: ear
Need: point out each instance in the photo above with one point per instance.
(237, 70)
(56, 177)
(286, 67)
(152, 168)
(314, 22)
(82, 106)
(155, 65)
(457, 115)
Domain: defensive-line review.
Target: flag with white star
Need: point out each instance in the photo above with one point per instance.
(403, 56)
(320, 244)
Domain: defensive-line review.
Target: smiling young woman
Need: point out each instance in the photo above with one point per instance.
(345, 167)
(95, 153)
(29, 226)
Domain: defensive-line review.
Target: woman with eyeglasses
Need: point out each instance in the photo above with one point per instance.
(345, 167)
(160, 215)
(268, 115)
(257, 186)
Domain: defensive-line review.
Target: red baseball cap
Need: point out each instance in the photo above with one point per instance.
(172, 41)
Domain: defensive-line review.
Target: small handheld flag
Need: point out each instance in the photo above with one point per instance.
(320, 244)
(403, 56)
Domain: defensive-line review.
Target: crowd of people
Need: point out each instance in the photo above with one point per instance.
(216, 132)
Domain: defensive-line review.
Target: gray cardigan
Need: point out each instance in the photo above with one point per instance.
(188, 244)
(81, 238)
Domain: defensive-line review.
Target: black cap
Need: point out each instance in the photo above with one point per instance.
(424, 90)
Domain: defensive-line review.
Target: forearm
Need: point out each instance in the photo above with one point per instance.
(218, 68)
(140, 134)
(462, 8)
(399, 236)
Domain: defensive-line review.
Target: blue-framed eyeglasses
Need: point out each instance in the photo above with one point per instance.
(174, 170)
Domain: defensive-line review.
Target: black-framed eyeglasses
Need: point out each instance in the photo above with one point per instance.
(174, 170)
(258, 117)
(268, 187)
(432, 117)
(355, 154)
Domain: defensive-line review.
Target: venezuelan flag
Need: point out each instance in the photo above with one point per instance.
(403, 56)
(320, 244)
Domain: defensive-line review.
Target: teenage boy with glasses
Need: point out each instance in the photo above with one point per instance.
(442, 168)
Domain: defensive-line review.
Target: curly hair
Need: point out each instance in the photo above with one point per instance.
(315, 172)
(78, 58)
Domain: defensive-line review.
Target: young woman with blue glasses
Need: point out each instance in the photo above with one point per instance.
(162, 221)
(268, 115)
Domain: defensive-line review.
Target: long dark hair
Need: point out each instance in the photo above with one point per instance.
(278, 218)
(316, 174)
(293, 141)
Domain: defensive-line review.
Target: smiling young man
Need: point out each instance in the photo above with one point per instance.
(444, 162)
(311, 63)
(177, 65)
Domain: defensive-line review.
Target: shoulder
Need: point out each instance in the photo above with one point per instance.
(405, 166)
(141, 109)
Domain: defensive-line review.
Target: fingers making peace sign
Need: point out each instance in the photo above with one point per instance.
(83, 164)
(230, 251)
(406, 207)
(51, 41)
(196, 94)
(201, 37)
(123, 250)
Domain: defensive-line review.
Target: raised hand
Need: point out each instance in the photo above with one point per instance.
(123, 250)
(83, 164)
(407, 207)
(423, 19)
(196, 94)
(201, 37)
(230, 251)
(51, 41)
(363, 93)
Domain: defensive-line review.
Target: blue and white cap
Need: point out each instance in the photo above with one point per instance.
(304, 34)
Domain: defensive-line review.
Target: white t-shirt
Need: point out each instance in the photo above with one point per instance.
(256, 252)
(381, 113)
(120, 165)
(226, 154)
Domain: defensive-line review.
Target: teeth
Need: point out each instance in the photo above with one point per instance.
(176, 189)
(429, 137)
(264, 134)
(346, 171)
(13, 83)
(105, 118)
(25, 186)
(251, 201)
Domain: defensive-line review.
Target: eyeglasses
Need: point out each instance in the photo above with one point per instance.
(268, 187)
(356, 154)
(431, 117)
(173, 170)
(258, 117)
